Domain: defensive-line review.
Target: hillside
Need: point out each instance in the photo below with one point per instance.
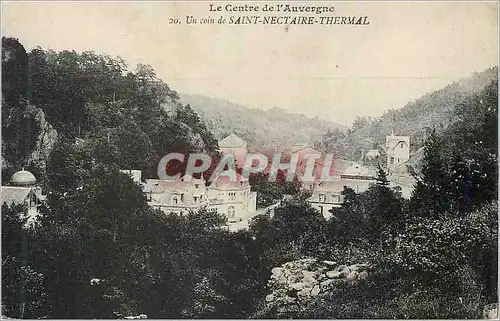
(433, 110)
(58, 106)
(275, 128)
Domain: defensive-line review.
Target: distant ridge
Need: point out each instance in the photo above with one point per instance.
(414, 119)
(278, 129)
(275, 128)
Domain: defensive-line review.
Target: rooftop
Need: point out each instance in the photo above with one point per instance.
(23, 178)
(232, 141)
(14, 194)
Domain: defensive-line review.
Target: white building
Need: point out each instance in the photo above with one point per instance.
(23, 190)
(233, 199)
(372, 154)
(234, 145)
(323, 200)
(398, 150)
(328, 194)
(176, 197)
(135, 174)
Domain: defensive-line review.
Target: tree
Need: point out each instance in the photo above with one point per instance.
(333, 141)
(20, 128)
(14, 71)
(384, 207)
(348, 224)
(431, 196)
(189, 117)
(295, 230)
(23, 293)
(459, 166)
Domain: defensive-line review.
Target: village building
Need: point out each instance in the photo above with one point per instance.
(135, 174)
(328, 194)
(231, 198)
(397, 149)
(187, 194)
(23, 190)
(306, 154)
(234, 145)
(372, 154)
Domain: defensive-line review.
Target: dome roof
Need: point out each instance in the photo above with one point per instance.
(23, 178)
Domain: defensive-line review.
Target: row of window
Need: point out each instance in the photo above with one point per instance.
(232, 195)
(175, 199)
(322, 198)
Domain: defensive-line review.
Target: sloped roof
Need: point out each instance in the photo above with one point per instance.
(224, 182)
(397, 139)
(304, 150)
(14, 194)
(158, 186)
(232, 141)
(340, 165)
(358, 170)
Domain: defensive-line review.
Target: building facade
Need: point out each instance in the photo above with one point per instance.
(372, 154)
(328, 194)
(398, 150)
(187, 194)
(234, 199)
(234, 145)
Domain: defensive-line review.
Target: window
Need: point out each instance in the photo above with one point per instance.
(392, 160)
(174, 200)
(322, 197)
(401, 145)
(232, 196)
(196, 186)
(231, 212)
(321, 209)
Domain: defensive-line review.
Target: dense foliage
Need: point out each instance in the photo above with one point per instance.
(130, 118)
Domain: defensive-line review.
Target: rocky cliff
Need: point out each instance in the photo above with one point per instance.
(296, 284)
(45, 140)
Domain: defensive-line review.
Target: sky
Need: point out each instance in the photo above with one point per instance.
(334, 72)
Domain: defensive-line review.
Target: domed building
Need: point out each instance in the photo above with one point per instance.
(23, 189)
(233, 198)
(23, 178)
